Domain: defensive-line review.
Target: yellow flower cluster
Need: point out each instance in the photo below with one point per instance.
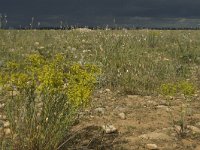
(182, 87)
(80, 83)
(54, 76)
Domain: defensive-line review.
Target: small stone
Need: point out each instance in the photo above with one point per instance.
(100, 110)
(152, 102)
(152, 146)
(3, 117)
(177, 128)
(133, 96)
(198, 124)
(101, 92)
(6, 124)
(164, 103)
(7, 131)
(155, 136)
(163, 107)
(2, 106)
(194, 129)
(109, 129)
(122, 116)
(147, 97)
(108, 90)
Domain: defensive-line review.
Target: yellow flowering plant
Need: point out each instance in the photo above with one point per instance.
(50, 92)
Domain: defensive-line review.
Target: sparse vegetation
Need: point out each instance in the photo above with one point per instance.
(185, 89)
(47, 77)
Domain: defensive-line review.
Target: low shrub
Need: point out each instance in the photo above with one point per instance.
(43, 96)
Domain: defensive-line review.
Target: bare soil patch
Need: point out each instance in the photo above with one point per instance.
(147, 121)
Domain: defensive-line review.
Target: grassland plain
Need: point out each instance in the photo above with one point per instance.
(136, 66)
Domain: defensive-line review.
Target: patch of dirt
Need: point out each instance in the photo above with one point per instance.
(147, 116)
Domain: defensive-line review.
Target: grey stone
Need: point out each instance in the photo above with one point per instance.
(122, 116)
(100, 110)
(194, 129)
(109, 129)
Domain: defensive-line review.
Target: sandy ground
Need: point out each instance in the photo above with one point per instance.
(140, 123)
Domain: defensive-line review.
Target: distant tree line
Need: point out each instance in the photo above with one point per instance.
(107, 28)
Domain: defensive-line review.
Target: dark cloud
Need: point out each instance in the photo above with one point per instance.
(78, 10)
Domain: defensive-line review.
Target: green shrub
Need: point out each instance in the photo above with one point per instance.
(43, 97)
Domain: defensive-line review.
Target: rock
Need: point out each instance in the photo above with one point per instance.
(120, 109)
(177, 129)
(164, 107)
(155, 136)
(133, 96)
(108, 90)
(109, 129)
(152, 146)
(100, 110)
(122, 116)
(147, 97)
(198, 124)
(163, 102)
(3, 117)
(6, 124)
(152, 102)
(2, 106)
(7, 131)
(194, 129)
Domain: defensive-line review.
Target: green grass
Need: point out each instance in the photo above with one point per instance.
(135, 62)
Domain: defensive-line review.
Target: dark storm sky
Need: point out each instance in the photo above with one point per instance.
(98, 11)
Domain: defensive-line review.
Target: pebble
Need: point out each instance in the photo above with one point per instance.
(6, 124)
(152, 103)
(198, 124)
(2, 106)
(147, 97)
(152, 146)
(2, 117)
(177, 128)
(155, 136)
(122, 116)
(100, 110)
(109, 129)
(7, 131)
(194, 129)
(108, 90)
(133, 96)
